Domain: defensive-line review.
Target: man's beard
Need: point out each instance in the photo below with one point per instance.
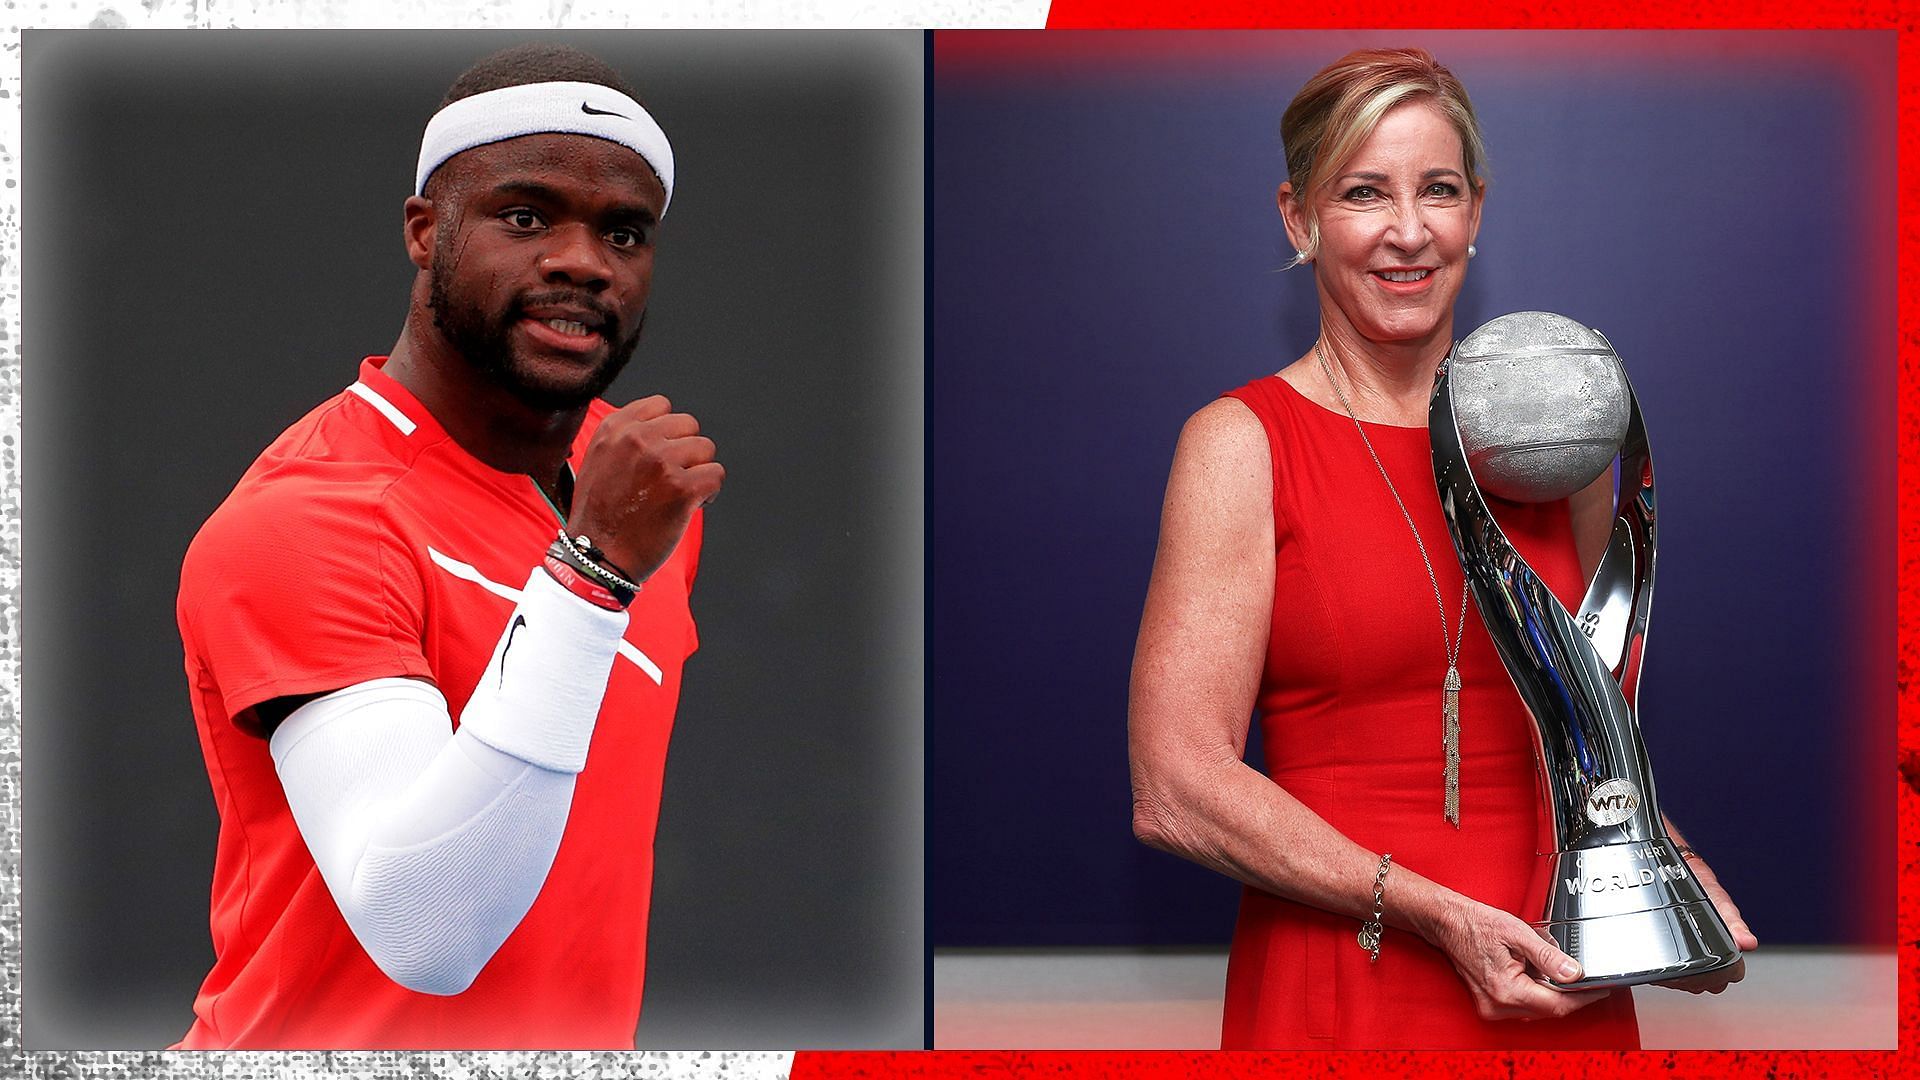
(486, 344)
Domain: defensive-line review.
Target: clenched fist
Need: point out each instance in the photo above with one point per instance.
(647, 470)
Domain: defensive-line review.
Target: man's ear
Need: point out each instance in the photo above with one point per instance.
(420, 220)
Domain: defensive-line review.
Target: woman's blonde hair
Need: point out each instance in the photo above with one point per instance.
(1339, 108)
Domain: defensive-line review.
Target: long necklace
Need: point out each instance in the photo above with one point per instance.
(1450, 690)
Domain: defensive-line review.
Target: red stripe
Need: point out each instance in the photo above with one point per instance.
(1473, 14)
(1217, 1065)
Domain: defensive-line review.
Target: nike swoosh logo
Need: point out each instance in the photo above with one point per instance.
(466, 572)
(591, 111)
(519, 621)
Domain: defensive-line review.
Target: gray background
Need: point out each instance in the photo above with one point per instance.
(211, 241)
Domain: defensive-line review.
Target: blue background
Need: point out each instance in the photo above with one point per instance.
(1105, 256)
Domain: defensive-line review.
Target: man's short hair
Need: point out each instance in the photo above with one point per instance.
(535, 62)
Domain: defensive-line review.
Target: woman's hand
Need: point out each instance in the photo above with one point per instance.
(1498, 956)
(1713, 982)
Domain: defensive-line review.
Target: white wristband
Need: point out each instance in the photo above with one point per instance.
(540, 693)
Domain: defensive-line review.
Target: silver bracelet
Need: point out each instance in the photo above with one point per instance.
(1370, 931)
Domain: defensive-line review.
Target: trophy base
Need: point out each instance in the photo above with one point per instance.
(1632, 913)
(1644, 946)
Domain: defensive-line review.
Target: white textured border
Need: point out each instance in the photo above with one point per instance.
(11, 1051)
(386, 1064)
(214, 14)
(550, 14)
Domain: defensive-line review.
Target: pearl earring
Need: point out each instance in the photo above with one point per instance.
(1301, 254)
(1472, 251)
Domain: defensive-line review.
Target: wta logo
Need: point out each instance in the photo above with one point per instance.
(1612, 802)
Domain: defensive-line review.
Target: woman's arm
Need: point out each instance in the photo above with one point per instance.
(1196, 672)
(1713, 981)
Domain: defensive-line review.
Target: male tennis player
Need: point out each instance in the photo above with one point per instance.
(434, 637)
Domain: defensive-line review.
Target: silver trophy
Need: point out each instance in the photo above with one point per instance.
(1538, 405)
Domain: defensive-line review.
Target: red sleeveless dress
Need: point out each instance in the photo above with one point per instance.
(1349, 709)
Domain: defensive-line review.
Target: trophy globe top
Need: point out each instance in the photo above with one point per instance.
(1542, 405)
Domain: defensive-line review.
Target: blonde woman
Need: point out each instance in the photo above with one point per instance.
(1304, 570)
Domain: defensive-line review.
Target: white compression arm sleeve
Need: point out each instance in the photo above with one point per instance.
(434, 843)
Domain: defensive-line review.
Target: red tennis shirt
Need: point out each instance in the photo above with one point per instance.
(366, 543)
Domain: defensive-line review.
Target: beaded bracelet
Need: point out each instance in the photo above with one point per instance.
(621, 590)
(595, 562)
(593, 551)
(1370, 931)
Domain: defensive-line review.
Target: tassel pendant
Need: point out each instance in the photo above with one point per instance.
(1450, 741)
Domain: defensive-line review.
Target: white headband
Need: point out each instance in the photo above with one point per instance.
(567, 108)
